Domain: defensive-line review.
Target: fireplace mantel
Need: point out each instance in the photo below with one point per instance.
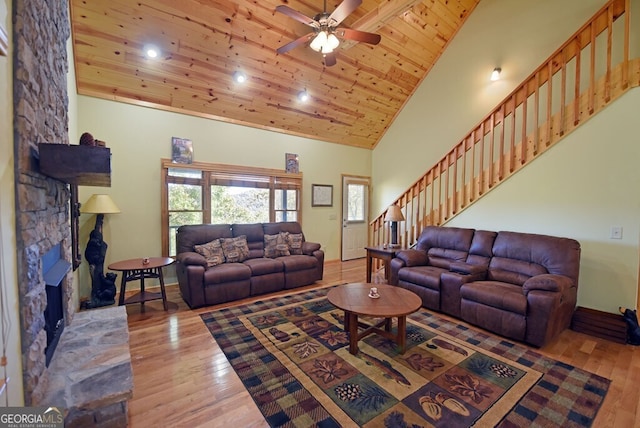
(79, 165)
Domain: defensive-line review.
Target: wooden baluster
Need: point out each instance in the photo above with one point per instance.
(463, 193)
(607, 84)
(592, 70)
(523, 143)
(512, 142)
(563, 97)
(491, 134)
(446, 188)
(455, 180)
(432, 172)
(472, 187)
(501, 157)
(625, 49)
(481, 161)
(536, 111)
(576, 91)
(425, 201)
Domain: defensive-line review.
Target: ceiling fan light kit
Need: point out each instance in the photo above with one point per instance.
(325, 37)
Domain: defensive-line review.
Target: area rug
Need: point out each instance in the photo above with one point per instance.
(292, 355)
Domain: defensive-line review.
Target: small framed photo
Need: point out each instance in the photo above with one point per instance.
(181, 150)
(321, 195)
(291, 163)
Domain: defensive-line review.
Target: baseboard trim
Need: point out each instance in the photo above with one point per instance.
(600, 324)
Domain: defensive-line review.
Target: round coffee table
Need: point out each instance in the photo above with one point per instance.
(394, 302)
(135, 269)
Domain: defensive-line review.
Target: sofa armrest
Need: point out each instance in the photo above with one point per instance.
(192, 258)
(468, 269)
(413, 257)
(548, 282)
(309, 248)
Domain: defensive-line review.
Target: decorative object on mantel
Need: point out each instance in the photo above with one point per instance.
(394, 215)
(181, 150)
(103, 288)
(321, 195)
(325, 32)
(291, 163)
(87, 139)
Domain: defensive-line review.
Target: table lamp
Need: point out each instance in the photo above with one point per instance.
(103, 289)
(394, 215)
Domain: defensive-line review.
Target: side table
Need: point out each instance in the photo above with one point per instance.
(382, 252)
(134, 269)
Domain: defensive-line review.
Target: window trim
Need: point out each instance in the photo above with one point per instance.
(294, 181)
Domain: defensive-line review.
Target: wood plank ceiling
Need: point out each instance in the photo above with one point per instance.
(203, 42)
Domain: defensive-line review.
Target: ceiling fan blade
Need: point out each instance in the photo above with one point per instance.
(357, 35)
(330, 59)
(297, 16)
(291, 45)
(342, 11)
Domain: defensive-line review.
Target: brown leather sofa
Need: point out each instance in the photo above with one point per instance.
(202, 285)
(519, 285)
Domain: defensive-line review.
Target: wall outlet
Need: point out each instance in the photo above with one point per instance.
(616, 232)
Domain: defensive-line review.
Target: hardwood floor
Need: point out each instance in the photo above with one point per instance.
(182, 378)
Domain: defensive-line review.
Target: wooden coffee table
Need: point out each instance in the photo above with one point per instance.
(394, 302)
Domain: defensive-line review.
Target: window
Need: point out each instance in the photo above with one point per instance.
(217, 194)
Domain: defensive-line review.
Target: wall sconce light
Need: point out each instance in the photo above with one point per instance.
(103, 289)
(303, 96)
(394, 215)
(239, 77)
(495, 74)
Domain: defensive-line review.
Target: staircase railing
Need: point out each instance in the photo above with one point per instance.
(577, 81)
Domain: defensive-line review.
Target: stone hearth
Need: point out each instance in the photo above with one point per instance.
(90, 374)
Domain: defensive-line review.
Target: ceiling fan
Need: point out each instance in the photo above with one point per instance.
(325, 36)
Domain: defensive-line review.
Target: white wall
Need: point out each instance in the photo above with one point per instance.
(139, 137)
(516, 35)
(8, 269)
(552, 196)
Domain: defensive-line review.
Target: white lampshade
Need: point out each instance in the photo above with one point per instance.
(99, 204)
(394, 213)
(318, 43)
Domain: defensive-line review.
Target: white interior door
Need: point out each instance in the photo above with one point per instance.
(355, 217)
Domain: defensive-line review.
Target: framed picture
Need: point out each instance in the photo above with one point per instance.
(291, 163)
(181, 150)
(321, 195)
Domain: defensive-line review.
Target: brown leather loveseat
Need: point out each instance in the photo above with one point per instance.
(217, 263)
(519, 285)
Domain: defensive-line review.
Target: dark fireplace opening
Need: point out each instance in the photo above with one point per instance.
(54, 269)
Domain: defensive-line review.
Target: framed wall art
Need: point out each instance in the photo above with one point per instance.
(321, 195)
(291, 163)
(181, 150)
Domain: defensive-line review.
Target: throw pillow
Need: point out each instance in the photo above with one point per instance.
(276, 245)
(212, 252)
(294, 240)
(235, 249)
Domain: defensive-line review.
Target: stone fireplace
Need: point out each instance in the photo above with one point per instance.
(41, 30)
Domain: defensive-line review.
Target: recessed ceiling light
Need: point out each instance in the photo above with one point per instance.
(151, 51)
(303, 96)
(239, 77)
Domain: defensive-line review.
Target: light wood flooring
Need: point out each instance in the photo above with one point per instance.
(182, 378)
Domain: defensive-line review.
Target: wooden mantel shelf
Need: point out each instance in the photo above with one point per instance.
(80, 165)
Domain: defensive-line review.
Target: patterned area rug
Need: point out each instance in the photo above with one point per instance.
(292, 355)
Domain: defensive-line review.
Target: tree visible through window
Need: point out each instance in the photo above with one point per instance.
(222, 194)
